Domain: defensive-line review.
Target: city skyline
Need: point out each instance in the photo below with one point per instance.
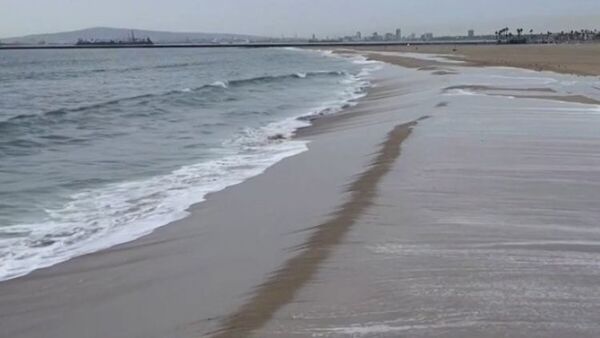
(296, 18)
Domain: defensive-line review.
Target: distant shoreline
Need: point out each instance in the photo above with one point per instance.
(252, 45)
(380, 44)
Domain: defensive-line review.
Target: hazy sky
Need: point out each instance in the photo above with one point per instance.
(302, 17)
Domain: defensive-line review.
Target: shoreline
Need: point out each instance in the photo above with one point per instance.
(577, 59)
(453, 242)
(289, 260)
(282, 286)
(442, 61)
(233, 45)
(273, 142)
(170, 261)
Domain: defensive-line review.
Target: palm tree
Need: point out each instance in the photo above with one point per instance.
(531, 35)
(503, 33)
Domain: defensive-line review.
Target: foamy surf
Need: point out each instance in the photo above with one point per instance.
(119, 213)
(97, 218)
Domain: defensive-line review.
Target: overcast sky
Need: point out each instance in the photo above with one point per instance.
(301, 17)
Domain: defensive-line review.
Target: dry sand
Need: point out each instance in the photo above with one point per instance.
(581, 59)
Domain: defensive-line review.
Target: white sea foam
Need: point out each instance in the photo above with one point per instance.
(460, 92)
(530, 80)
(294, 49)
(118, 213)
(326, 52)
(222, 84)
(357, 330)
(99, 218)
(376, 329)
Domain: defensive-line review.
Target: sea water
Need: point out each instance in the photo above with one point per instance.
(100, 147)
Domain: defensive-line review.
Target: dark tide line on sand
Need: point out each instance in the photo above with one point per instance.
(282, 286)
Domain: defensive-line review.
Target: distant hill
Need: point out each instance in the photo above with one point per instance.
(107, 33)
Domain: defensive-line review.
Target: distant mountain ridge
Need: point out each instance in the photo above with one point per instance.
(108, 33)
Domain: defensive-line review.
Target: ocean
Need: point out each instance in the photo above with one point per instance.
(100, 147)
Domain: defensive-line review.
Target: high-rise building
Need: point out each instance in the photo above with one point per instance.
(398, 34)
(427, 36)
(358, 36)
(471, 33)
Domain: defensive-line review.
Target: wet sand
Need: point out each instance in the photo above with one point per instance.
(187, 278)
(527, 93)
(500, 89)
(483, 225)
(282, 286)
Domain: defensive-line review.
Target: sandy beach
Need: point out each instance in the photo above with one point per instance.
(580, 59)
(457, 199)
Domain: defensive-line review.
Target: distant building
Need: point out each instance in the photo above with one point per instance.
(471, 33)
(358, 36)
(376, 37)
(389, 37)
(427, 36)
(412, 36)
(398, 34)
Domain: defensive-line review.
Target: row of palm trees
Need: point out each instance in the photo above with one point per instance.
(504, 35)
(580, 35)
